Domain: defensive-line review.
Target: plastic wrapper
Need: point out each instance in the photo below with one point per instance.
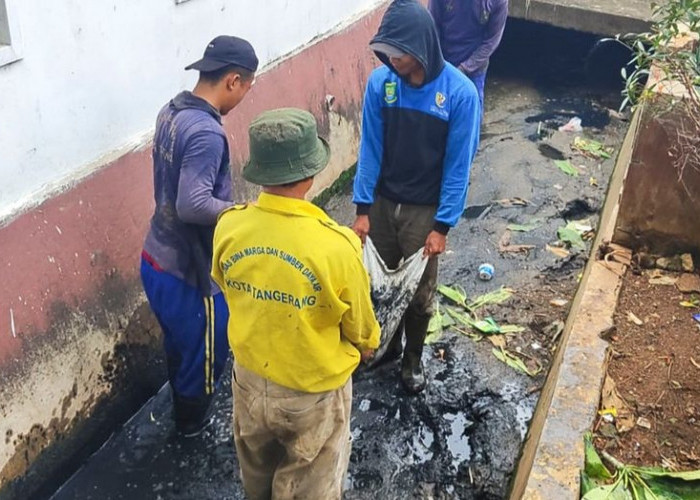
(574, 125)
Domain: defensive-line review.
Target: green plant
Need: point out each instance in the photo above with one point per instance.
(628, 482)
(674, 62)
(339, 185)
(672, 52)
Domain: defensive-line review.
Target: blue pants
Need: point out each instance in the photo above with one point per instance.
(479, 81)
(194, 337)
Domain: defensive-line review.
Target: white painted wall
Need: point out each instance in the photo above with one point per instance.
(95, 73)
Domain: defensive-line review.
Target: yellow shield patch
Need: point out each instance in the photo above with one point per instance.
(440, 99)
(390, 96)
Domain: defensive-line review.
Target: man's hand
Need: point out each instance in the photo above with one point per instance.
(434, 244)
(367, 355)
(361, 227)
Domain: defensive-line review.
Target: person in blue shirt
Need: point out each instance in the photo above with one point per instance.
(470, 32)
(192, 186)
(420, 132)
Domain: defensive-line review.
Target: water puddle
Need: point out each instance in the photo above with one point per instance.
(420, 446)
(457, 439)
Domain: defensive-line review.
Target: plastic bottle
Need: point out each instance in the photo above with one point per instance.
(486, 271)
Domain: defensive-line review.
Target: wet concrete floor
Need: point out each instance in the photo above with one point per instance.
(462, 436)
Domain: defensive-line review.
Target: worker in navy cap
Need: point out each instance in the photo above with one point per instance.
(192, 184)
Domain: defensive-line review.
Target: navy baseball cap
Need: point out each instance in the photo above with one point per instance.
(227, 51)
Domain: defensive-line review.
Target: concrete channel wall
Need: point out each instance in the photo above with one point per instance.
(77, 338)
(659, 211)
(647, 208)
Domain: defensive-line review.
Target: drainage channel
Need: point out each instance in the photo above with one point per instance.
(462, 437)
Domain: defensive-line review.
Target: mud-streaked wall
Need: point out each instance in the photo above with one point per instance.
(75, 333)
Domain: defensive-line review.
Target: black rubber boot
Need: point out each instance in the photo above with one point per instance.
(191, 415)
(412, 373)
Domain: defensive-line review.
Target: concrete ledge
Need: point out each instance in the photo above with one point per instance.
(553, 452)
(575, 396)
(591, 16)
(652, 209)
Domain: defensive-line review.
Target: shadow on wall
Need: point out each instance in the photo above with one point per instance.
(558, 57)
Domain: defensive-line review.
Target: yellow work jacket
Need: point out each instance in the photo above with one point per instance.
(297, 292)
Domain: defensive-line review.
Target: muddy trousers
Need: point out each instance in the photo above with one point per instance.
(398, 231)
(194, 338)
(290, 444)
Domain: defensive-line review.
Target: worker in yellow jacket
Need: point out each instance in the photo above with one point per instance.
(301, 317)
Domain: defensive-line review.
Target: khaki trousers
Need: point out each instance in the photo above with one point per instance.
(290, 444)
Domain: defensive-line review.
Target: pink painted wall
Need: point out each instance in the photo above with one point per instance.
(71, 294)
(64, 249)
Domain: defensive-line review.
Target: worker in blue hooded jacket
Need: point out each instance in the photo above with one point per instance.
(420, 131)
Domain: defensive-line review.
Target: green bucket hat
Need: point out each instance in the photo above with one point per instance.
(284, 148)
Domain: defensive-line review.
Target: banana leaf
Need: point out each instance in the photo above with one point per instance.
(593, 465)
(456, 294)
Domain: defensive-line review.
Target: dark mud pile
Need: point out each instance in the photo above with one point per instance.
(459, 439)
(462, 436)
(146, 459)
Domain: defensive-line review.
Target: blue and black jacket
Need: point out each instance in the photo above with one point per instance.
(417, 143)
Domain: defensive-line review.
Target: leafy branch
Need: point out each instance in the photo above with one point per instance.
(628, 482)
(671, 51)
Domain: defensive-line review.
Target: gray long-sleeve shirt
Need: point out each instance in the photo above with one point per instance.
(469, 31)
(192, 185)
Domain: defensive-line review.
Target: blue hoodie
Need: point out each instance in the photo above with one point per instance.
(417, 143)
